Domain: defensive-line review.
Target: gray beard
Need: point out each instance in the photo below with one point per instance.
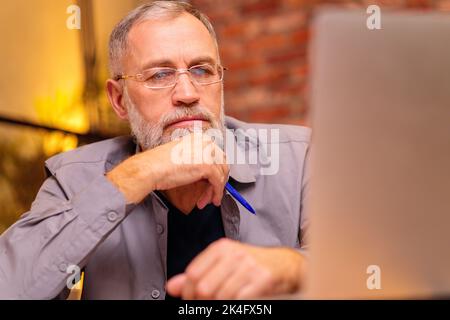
(150, 135)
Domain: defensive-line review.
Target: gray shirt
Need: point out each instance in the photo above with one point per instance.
(80, 218)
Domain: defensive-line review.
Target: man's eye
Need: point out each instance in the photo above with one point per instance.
(202, 71)
(160, 75)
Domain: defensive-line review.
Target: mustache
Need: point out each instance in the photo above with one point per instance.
(183, 112)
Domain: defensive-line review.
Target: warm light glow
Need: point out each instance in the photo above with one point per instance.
(56, 142)
(63, 111)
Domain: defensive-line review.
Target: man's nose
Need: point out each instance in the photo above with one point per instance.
(185, 92)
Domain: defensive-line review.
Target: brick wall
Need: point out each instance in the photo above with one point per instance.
(263, 43)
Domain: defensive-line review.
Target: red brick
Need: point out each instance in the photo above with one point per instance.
(269, 77)
(294, 54)
(269, 114)
(286, 22)
(233, 30)
(269, 42)
(300, 36)
(300, 70)
(259, 6)
(231, 50)
(248, 29)
(300, 4)
(246, 63)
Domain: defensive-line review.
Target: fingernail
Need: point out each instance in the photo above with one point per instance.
(200, 205)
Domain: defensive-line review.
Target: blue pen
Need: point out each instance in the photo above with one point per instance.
(239, 198)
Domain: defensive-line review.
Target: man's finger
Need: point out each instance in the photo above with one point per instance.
(206, 197)
(219, 188)
(214, 278)
(175, 284)
(216, 179)
(234, 283)
(188, 290)
(260, 285)
(205, 261)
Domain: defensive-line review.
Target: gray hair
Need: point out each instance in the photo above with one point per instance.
(118, 44)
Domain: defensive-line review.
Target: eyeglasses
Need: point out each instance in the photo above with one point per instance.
(159, 78)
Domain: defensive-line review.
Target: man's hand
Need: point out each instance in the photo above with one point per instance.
(185, 197)
(228, 269)
(156, 169)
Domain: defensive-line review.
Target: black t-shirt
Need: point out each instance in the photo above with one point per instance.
(190, 234)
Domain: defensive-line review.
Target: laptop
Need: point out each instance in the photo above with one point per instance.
(380, 113)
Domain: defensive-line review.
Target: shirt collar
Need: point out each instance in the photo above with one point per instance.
(242, 173)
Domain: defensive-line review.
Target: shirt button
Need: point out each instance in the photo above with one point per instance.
(155, 294)
(112, 216)
(63, 267)
(159, 228)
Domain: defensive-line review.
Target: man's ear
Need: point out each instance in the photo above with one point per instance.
(115, 93)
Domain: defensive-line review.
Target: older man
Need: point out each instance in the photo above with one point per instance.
(141, 224)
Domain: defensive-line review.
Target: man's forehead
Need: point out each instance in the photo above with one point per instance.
(170, 40)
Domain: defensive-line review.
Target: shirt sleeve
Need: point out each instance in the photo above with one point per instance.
(58, 232)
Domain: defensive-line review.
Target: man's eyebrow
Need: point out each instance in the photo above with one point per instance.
(169, 63)
(202, 60)
(157, 63)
